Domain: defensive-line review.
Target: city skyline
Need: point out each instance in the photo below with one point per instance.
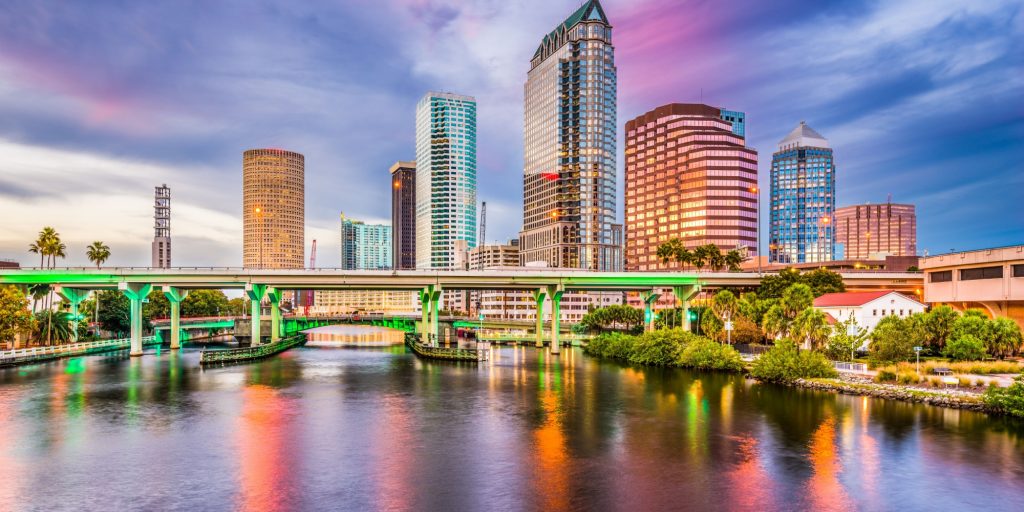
(84, 120)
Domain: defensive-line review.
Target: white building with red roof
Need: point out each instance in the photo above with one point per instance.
(868, 308)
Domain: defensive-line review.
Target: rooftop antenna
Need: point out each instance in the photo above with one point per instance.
(890, 197)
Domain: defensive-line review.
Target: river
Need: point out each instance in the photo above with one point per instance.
(374, 428)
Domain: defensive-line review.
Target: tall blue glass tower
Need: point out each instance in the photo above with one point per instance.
(803, 199)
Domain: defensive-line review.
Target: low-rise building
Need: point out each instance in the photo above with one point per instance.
(867, 308)
(988, 279)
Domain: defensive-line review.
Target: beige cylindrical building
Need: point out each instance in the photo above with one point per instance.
(273, 208)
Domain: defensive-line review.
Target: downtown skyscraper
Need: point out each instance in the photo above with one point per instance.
(273, 208)
(365, 246)
(445, 178)
(403, 215)
(803, 199)
(691, 176)
(569, 147)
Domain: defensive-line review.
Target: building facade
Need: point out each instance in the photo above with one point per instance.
(867, 308)
(494, 255)
(989, 279)
(445, 177)
(569, 139)
(803, 199)
(876, 230)
(689, 175)
(403, 215)
(162, 227)
(365, 246)
(273, 208)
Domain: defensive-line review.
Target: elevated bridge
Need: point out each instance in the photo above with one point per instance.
(546, 286)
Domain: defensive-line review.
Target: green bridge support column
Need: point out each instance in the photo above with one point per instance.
(555, 292)
(135, 293)
(430, 298)
(255, 292)
(649, 297)
(274, 295)
(683, 295)
(539, 296)
(74, 297)
(174, 297)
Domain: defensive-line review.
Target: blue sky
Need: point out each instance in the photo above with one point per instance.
(100, 101)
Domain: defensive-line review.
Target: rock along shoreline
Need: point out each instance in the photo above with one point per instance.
(952, 398)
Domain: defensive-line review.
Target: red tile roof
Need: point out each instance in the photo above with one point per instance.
(848, 298)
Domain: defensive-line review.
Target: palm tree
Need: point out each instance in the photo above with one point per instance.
(97, 253)
(54, 249)
(733, 259)
(684, 256)
(715, 258)
(42, 244)
(667, 251)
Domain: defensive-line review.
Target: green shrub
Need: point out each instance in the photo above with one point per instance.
(908, 378)
(705, 354)
(965, 348)
(785, 362)
(1008, 400)
(885, 375)
(659, 348)
(611, 346)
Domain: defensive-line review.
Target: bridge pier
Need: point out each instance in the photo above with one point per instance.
(649, 297)
(255, 292)
(539, 296)
(274, 295)
(555, 292)
(430, 298)
(74, 297)
(683, 295)
(135, 293)
(174, 298)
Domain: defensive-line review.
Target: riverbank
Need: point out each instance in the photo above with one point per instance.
(849, 385)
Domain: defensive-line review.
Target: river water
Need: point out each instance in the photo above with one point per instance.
(372, 428)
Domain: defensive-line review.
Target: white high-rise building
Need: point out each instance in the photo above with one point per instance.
(445, 178)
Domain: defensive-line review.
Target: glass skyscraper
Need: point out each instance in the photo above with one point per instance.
(445, 177)
(569, 147)
(803, 197)
(365, 246)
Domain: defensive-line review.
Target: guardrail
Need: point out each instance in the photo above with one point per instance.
(34, 354)
(850, 367)
(242, 354)
(444, 353)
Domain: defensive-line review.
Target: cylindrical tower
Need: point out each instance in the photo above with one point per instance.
(273, 208)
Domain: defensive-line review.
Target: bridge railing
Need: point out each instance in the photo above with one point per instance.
(249, 353)
(68, 348)
(844, 366)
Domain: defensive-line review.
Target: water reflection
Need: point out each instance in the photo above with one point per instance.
(375, 428)
(353, 335)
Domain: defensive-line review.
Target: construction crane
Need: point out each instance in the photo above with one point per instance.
(312, 265)
(483, 224)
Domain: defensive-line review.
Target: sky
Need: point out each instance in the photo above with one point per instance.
(101, 101)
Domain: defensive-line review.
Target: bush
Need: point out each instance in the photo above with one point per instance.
(1008, 400)
(705, 354)
(885, 375)
(892, 340)
(908, 378)
(935, 382)
(659, 348)
(611, 345)
(785, 362)
(965, 348)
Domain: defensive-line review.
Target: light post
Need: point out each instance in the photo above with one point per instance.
(755, 191)
(728, 326)
(917, 351)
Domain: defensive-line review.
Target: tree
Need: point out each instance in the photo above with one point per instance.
(116, 313)
(795, 299)
(785, 362)
(15, 317)
(772, 286)
(712, 327)
(752, 308)
(58, 325)
(965, 348)
(204, 303)
(700, 257)
(724, 304)
(847, 337)
(823, 281)
(891, 341)
(774, 323)
(715, 258)
(616, 316)
(733, 260)
(810, 327)
(668, 251)
(974, 323)
(1005, 338)
(158, 305)
(97, 253)
(237, 306)
(938, 326)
